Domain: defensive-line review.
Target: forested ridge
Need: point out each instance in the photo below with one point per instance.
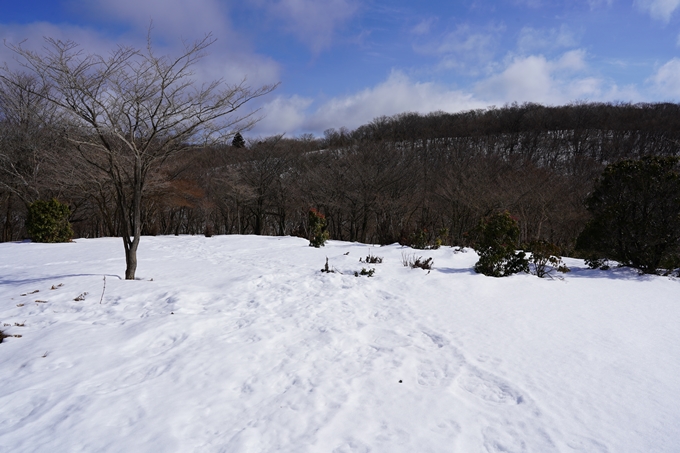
(399, 178)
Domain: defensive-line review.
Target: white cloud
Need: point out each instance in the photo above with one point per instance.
(424, 26)
(666, 80)
(532, 39)
(170, 17)
(532, 78)
(574, 60)
(32, 36)
(530, 3)
(597, 3)
(313, 22)
(463, 41)
(223, 60)
(535, 78)
(232, 67)
(466, 49)
(283, 115)
(176, 21)
(397, 94)
(525, 79)
(659, 9)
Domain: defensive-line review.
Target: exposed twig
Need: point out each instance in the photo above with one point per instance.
(103, 289)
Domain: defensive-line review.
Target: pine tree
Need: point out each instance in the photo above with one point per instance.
(238, 141)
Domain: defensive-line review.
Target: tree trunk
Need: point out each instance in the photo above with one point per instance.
(132, 222)
(7, 228)
(130, 259)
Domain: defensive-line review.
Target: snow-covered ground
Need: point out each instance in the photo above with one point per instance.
(241, 344)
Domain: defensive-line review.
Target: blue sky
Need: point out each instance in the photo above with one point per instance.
(345, 62)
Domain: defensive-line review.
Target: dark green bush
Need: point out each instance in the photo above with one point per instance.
(496, 244)
(671, 263)
(47, 221)
(635, 211)
(371, 259)
(364, 271)
(318, 235)
(594, 262)
(424, 239)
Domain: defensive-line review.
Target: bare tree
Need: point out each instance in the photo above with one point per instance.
(25, 135)
(29, 149)
(133, 110)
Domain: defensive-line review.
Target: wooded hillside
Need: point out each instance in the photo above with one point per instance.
(403, 178)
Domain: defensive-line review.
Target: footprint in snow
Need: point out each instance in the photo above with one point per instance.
(489, 388)
(432, 374)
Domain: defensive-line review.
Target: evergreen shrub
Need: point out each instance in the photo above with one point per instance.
(635, 209)
(318, 235)
(594, 262)
(371, 259)
(364, 271)
(423, 239)
(47, 221)
(497, 247)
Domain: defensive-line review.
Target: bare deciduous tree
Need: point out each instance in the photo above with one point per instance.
(130, 112)
(29, 148)
(25, 134)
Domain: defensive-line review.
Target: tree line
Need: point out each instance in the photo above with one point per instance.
(393, 180)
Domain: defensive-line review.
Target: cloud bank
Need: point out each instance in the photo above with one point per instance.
(532, 78)
(659, 9)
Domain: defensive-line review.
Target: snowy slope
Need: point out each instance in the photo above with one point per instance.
(241, 344)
